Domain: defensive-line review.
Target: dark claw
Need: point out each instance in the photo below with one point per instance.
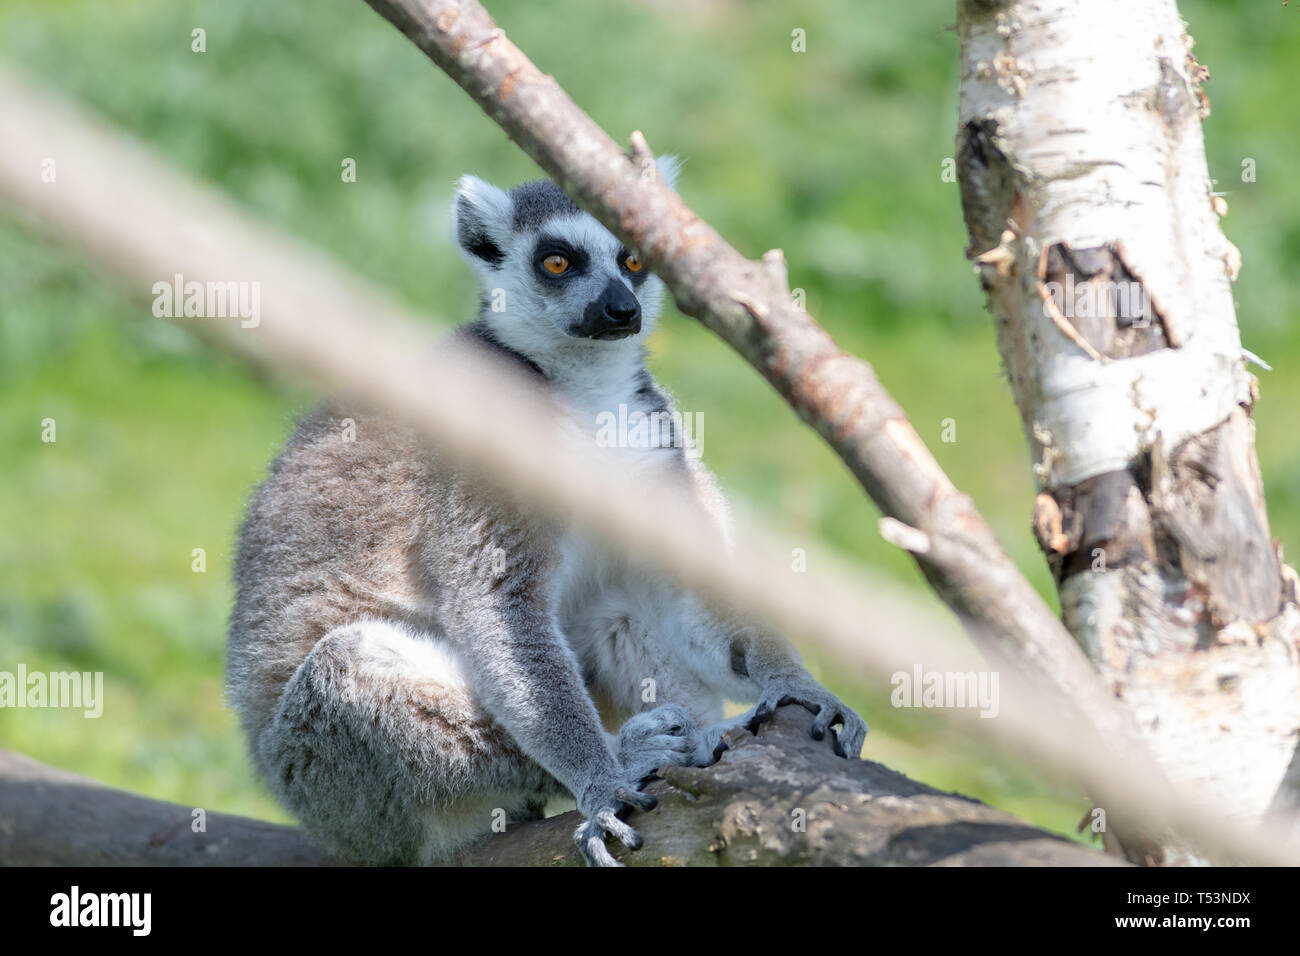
(762, 714)
(719, 750)
(826, 718)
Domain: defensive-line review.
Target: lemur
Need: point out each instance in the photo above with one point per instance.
(414, 659)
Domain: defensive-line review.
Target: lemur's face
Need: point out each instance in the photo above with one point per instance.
(550, 272)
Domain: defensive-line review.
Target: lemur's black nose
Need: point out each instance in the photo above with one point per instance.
(620, 315)
(615, 314)
(619, 305)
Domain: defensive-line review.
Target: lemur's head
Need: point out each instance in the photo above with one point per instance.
(552, 276)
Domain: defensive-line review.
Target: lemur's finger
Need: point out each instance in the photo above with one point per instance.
(838, 742)
(609, 821)
(762, 714)
(767, 707)
(669, 742)
(591, 843)
(636, 799)
(678, 721)
(646, 773)
(812, 705)
(850, 738)
(825, 718)
(857, 736)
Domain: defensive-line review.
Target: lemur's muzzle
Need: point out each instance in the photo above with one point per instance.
(614, 314)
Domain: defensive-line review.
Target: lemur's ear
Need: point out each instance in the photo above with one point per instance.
(669, 167)
(483, 215)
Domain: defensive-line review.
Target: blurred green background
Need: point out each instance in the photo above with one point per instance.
(834, 155)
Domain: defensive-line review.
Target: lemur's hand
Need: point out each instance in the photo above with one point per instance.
(601, 803)
(663, 737)
(830, 711)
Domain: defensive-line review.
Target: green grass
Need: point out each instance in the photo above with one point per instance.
(834, 155)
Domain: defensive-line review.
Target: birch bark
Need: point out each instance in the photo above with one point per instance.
(1095, 234)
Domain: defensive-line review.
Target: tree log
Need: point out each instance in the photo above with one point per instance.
(50, 817)
(778, 798)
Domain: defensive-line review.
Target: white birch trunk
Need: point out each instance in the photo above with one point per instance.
(1096, 236)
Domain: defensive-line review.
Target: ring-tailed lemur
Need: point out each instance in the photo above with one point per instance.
(414, 659)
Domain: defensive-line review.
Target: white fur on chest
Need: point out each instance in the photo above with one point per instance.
(598, 591)
(640, 430)
(605, 602)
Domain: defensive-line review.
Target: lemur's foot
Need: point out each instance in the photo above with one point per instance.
(663, 737)
(830, 711)
(602, 805)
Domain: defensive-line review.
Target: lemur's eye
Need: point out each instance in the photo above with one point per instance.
(556, 265)
(633, 263)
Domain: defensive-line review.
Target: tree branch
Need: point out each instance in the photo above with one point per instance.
(780, 798)
(49, 817)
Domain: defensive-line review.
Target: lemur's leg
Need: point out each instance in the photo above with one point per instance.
(379, 742)
(643, 686)
(705, 655)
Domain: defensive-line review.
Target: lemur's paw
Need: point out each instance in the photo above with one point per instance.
(663, 737)
(603, 820)
(830, 711)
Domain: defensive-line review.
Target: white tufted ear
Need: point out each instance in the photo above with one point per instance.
(482, 214)
(669, 167)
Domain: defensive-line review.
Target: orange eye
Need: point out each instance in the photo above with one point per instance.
(633, 263)
(556, 265)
